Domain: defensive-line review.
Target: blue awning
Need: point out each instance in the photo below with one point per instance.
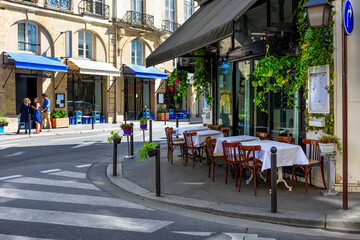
(34, 62)
(144, 72)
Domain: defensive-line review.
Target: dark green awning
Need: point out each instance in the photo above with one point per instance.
(209, 24)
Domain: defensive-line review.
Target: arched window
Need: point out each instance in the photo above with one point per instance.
(27, 37)
(137, 52)
(85, 45)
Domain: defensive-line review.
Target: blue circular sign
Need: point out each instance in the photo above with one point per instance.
(348, 17)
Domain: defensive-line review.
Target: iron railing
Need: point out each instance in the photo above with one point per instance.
(94, 8)
(169, 26)
(139, 18)
(64, 4)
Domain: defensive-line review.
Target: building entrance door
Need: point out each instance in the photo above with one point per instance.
(137, 96)
(26, 87)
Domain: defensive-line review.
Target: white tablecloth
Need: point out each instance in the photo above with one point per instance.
(181, 130)
(202, 135)
(242, 138)
(287, 154)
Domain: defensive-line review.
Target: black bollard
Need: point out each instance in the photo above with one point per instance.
(150, 131)
(157, 170)
(189, 113)
(92, 120)
(114, 159)
(177, 122)
(132, 143)
(273, 180)
(165, 118)
(125, 116)
(29, 125)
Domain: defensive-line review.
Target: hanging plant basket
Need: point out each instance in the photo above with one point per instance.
(327, 147)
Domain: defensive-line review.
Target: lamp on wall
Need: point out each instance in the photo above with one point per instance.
(318, 12)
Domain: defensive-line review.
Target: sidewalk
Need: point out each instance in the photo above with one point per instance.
(185, 187)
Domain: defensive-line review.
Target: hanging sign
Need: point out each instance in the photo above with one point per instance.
(348, 17)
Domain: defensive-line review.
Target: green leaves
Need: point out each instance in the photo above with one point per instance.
(59, 114)
(114, 136)
(144, 152)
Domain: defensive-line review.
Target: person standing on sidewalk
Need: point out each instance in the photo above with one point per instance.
(36, 115)
(45, 112)
(24, 114)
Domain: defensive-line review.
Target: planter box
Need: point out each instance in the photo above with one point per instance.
(60, 122)
(327, 147)
(161, 116)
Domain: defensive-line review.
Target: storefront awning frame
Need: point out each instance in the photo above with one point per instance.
(144, 72)
(89, 67)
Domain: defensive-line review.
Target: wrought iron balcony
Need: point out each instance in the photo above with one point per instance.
(138, 18)
(94, 8)
(169, 26)
(63, 4)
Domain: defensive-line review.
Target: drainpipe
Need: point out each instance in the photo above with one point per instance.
(344, 117)
(114, 20)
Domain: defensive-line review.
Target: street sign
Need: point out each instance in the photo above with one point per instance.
(348, 17)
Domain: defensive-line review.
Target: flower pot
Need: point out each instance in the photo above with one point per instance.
(161, 116)
(117, 141)
(327, 147)
(60, 122)
(143, 126)
(152, 153)
(127, 131)
(4, 124)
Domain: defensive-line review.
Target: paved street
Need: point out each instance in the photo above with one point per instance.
(56, 188)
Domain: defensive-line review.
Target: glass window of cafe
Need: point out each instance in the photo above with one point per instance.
(84, 95)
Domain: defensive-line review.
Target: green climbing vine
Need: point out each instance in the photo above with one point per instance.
(180, 77)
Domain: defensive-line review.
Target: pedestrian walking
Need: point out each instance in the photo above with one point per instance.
(36, 115)
(24, 114)
(45, 112)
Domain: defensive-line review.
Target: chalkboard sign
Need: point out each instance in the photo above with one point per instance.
(318, 82)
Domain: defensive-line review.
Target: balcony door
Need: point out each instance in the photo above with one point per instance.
(137, 8)
(170, 14)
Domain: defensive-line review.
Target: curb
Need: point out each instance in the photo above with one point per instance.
(341, 221)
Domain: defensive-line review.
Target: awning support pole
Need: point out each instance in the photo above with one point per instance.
(60, 81)
(112, 84)
(8, 78)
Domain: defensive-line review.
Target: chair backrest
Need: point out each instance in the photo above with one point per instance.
(205, 125)
(214, 127)
(225, 131)
(188, 137)
(231, 151)
(313, 149)
(170, 136)
(263, 135)
(210, 144)
(247, 154)
(284, 139)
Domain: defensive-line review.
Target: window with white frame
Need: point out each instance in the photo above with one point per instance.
(137, 52)
(85, 45)
(27, 37)
(188, 9)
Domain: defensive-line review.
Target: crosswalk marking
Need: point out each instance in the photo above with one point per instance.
(10, 177)
(82, 220)
(51, 170)
(13, 237)
(202, 234)
(69, 174)
(68, 198)
(83, 166)
(51, 182)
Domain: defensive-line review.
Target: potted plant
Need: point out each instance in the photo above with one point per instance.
(329, 143)
(162, 113)
(143, 123)
(59, 119)
(114, 138)
(149, 150)
(3, 122)
(127, 128)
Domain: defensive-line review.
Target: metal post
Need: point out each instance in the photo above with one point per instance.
(125, 116)
(177, 122)
(273, 180)
(189, 113)
(157, 171)
(330, 192)
(150, 131)
(92, 120)
(132, 143)
(114, 159)
(143, 136)
(29, 120)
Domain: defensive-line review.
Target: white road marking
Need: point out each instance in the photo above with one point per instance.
(193, 183)
(244, 236)
(14, 154)
(203, 234)
(82, 220)
(68, 198)
(13, 237)
(83, 166)
(50, 182)
(86, 144)
(5, 146)
(51, 170)
(73, 138)
(69, 174)
(10, 177)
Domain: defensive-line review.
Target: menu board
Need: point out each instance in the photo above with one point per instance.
(318, 92)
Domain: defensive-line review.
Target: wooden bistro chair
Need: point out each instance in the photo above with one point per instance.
(214, 127)
(212, 158)
(263, 135)
(173, 144)
(315, 160)
(189, 144)
(225, 131)
(206, 125)
(248, 161)
(284, 139)
(231, 158)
